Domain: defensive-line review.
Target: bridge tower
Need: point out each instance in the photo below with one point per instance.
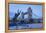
(22, 15)
(29, 13)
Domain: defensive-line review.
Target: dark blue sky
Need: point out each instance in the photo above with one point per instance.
(36, 9)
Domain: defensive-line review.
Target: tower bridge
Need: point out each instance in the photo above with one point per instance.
(14, 21)
(29, 12)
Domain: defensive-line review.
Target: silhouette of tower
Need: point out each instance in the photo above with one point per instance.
(29, 13)
(22, 15)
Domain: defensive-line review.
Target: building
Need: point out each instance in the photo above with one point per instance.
(29, 10)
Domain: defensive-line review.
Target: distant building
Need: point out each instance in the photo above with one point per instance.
(22, 15)
(29, 10)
